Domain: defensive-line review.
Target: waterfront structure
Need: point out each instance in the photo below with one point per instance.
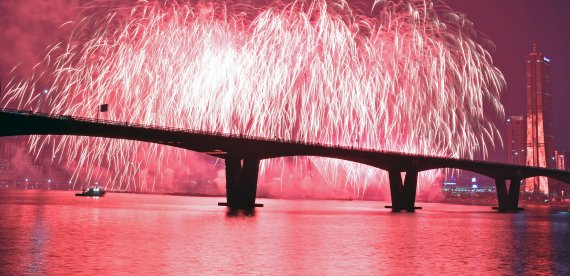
(516, 140)
(539, 137)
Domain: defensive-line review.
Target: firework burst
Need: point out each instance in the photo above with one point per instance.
(407, 76)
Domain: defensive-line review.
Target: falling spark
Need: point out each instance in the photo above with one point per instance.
(406, 76)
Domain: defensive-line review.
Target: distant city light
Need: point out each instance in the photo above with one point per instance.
(546, 59)
(473, 180)
(45, 91)
(474, 186)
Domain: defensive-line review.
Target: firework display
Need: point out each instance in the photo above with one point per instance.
(405, 75)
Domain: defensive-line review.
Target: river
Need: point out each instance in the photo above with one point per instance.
(55, 233)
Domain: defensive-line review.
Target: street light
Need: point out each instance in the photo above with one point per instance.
(45, 92)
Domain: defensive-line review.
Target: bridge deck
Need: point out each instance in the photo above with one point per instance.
(252, 149)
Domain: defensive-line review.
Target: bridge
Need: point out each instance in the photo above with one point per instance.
(242, 155)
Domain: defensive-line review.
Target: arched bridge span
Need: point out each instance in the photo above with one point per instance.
(242, 155)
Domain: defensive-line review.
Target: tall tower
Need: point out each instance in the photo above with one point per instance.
(539, 133)
(516, 140)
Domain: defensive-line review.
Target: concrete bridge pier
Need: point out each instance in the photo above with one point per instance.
(502, 195)
(514, 193)
(508, 199)
(241, 183)
(410, 188)
(403, 195)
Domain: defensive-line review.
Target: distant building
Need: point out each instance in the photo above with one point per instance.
(539, 138)
(8, 148)
(21, 169)
(11, 149)
(561, 160)
(516, 140)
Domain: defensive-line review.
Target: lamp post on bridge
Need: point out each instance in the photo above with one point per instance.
(42, 95)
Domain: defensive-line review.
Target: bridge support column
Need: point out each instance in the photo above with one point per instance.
(410, 188)
(508, 199)
(514, 192)
(502, 197)
(403, 195)
(241, 183)
(233, 172)
(396, 190)
(248, 183)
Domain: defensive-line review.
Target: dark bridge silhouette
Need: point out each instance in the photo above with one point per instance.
(242, 156)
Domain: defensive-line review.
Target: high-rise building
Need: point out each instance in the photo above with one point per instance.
(561, 160)
(539, 137)
(516, 140)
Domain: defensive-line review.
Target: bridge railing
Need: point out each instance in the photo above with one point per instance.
(177, 129)
(191, 131)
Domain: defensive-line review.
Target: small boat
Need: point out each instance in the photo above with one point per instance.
(92, 191)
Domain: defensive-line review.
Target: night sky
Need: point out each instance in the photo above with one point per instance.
(28, 27)
(514, 25)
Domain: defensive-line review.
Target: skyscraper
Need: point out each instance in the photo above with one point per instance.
(516, 140)
(539, 137)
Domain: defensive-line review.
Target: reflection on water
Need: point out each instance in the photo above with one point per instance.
(232, 213)
(53, 232)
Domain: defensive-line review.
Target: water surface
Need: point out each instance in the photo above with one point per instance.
(55, 233)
